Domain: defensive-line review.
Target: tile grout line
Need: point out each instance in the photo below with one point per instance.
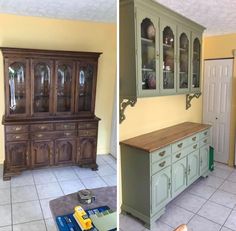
(40, 203)
(11, 206)
(208, 200)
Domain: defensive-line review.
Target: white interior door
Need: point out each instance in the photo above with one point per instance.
(217, 104)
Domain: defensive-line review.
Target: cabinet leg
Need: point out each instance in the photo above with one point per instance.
(95, 167)
(6, 178)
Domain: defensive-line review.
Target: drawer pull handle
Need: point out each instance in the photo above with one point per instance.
(205, 133)
(162, 153)
(39, 135)
(194, 138)
(18, 128)
(169, 184)
(180, 145)
(17, 137)
(195, 146)
(178, 155)
(162, 164)
(42, 127)
(67, 133)
(205, 141)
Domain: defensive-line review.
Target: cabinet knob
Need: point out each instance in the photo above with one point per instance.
(194, 138)
(42, 127)
(180, 145)
(162, 153)
(39, 135)
(195, 146)
(205, 141)
(178, 155)
(189, 169)
(162, 164)
(205, 133)
(67, 133)
(18, 128)
(17, 137)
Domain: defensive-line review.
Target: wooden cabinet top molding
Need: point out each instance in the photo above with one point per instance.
(10, 51)
(158, 139)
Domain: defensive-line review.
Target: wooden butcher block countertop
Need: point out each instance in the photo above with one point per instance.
(158, 139)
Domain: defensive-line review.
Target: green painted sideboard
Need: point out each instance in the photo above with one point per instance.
(160, 51)
(158, 166)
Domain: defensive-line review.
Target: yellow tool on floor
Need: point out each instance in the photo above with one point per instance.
(82, 218)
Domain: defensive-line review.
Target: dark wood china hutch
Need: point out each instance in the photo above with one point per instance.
(49, 111)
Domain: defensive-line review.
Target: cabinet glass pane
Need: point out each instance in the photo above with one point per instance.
(183, 61)
(168, 58)
(148, 50)
(85, 87)
(64, 91)
(42, 78)
(17, 88)
(196, 63)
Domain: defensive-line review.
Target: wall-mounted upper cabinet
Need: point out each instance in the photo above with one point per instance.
(160, 51)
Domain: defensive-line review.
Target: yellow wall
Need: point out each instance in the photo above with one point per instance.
(54, 34)
(222, 47)
(150, 114)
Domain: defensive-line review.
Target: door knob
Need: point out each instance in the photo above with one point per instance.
(216, 118)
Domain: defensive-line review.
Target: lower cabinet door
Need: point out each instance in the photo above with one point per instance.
(65, 151)
(179, 178)
(192, 167)
(87, 150)
(17, 155)
(204, 159)
(42, 153)
(161, 188)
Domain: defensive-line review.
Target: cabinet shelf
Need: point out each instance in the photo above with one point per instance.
(148, 41)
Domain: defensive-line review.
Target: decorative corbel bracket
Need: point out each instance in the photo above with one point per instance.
(124, 103)
(189, 97)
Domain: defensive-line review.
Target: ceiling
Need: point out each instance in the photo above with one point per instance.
(218, 16)
(89, 10)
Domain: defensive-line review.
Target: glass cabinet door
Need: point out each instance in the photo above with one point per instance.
(17, 93)
(196, 64)
(149, 52)
(183, 64)
(42, 80)
(85, 84)
(64, 89)
(168, 40)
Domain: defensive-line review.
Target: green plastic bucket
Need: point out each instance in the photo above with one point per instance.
(211, 158)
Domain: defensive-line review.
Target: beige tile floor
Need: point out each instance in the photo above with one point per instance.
(208, 205)
(24, 201)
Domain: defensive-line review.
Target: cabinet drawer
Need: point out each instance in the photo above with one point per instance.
(160, 154)
(15, 137)
(192, 139)
(192, 148)
(65, 126)
(41, 127)
(176, 147)
(86, 125)
(91, 132)
(157, 166)
(67, 134)
(204, 134)
(204, 141)
(17, 128)
(43, 135)
(179, 155)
